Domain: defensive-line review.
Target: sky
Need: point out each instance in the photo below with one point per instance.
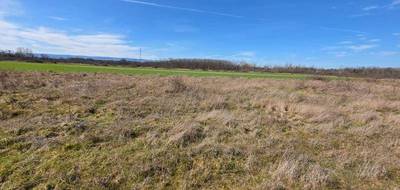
(326, 34)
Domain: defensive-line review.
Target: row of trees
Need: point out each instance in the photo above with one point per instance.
(24, 54)
(366, 72)
(203, 64)
(20, 52)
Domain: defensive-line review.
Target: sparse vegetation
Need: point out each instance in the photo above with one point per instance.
(103, 131)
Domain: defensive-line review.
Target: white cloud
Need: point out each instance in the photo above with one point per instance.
(396, 2)
(246, 54)
(392, 5)
(46, 40)
(370, 8)
(360, 15)
(57, 18)
(374, 40)
(362, 47)
(341, 54)
(361, 37)
(346, 48)
(388, 53)
(345, 42)
(342, 30)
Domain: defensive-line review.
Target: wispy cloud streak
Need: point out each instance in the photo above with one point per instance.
(183, 8)
(58, 18)
(370, 8)
(342, 30)
(394, 4)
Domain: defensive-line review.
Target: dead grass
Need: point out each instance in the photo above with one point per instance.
(97, 131)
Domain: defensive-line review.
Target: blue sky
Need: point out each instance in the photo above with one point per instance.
(329, 33)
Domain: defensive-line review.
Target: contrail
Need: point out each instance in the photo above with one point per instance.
(182, 8)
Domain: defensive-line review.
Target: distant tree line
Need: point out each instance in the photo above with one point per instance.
(366, 72)
(24, 54)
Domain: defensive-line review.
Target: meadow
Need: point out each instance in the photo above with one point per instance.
(82, 68)
(61, 130)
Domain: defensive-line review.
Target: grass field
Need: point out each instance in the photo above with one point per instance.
(68, 68)
(107, 131)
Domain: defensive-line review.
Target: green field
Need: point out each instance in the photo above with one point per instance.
(81, 68)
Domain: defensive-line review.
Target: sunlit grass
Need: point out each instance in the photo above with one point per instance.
(81, 68)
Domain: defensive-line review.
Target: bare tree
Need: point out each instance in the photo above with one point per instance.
(24, 52)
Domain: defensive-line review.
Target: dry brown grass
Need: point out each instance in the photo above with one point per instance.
(70, 131)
